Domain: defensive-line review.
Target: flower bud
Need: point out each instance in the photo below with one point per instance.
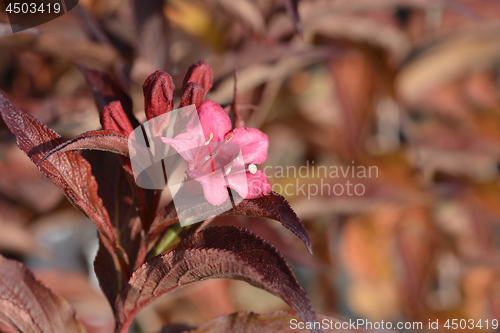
(158, 94)
(192, 93)
(114, 118)
(200, 73)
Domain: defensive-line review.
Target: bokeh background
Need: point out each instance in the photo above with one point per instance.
(410, 87)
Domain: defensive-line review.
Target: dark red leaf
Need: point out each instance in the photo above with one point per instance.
(158, 94)
(293, 13)
(105, 140)
(218, 252)
(201, 73)
(192, 93)
(28, 306)
(105, 90)
(276, 207)
(109, 271)
(113, 117)
(120, 197)
(68, 170)
(284, 243)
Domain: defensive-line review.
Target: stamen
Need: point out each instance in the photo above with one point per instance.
(230, 137)
(237, 157)
(209, 139)
(252, 168)
(209, 156)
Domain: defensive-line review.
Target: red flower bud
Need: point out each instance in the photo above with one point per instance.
(200, 73)
(192, 93)
(114, 118)
(158, 94)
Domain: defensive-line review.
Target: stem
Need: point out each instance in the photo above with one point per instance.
(173, 235)
(124, 328)
(124, 262)
(143, 208)
(169, 240)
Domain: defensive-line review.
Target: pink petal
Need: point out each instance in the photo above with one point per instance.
(238, 182)
(253, 144)
(214, 120)
(223, 156)
(214, 186)
(258, 186)
(185, 145)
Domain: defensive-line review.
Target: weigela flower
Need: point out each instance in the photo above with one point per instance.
(222, 158)
(219, 159)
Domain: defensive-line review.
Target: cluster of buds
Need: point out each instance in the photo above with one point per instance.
(220, 158)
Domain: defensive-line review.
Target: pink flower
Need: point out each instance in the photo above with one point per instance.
(222, 158)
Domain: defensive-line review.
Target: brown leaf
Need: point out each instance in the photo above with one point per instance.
(69, 170)
(380, 32)
(285, 243)
(354, 85)
(276, 207)
(29, 305)
(120, 197)
(245, 11)
(108, 271)
(93, 311)
(77, 47)
(218, 252)
(105, 140)
(447, 58)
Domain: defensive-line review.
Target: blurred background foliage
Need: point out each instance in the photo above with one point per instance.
(410, 87)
